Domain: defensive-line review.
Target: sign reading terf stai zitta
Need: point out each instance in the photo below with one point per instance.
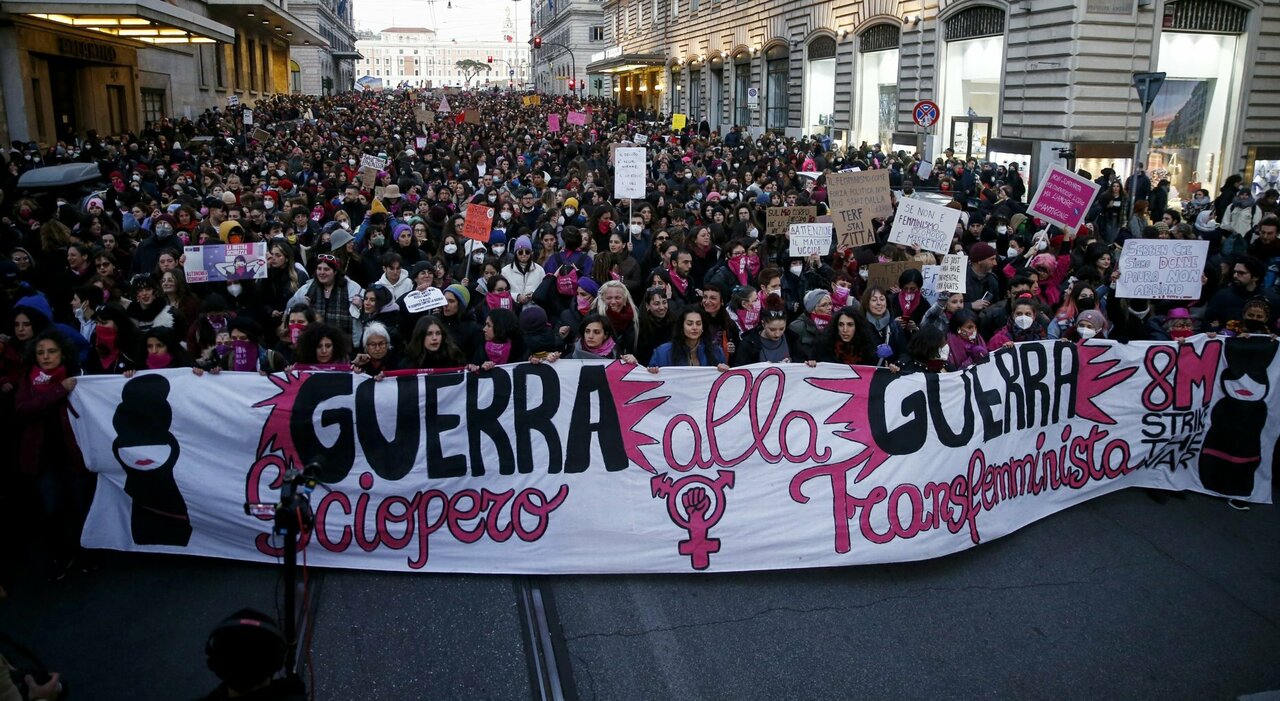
(588, 466)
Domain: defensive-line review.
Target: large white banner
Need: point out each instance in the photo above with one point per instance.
(579, 467)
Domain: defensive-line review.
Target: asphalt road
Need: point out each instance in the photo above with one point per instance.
(1117, 598)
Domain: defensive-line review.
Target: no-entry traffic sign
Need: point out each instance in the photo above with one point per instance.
(925, 113)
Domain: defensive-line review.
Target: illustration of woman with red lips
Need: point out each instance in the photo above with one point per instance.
(1232, 449)
(148, 452)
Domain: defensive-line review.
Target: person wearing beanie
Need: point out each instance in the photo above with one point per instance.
(498, 247)
(459, 319)
(981, 286)
(808, 328)
(584, 302)
(541, 342)
(1089, 324)
(523, 273)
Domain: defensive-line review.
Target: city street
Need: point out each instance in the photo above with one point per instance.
(1121, 597)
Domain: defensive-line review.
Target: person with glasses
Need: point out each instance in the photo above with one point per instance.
(523, 274)
(1227, 304)
(378, 355)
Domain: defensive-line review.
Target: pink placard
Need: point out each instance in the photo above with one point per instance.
(578, 119)
(1064, 198)
(553, 122)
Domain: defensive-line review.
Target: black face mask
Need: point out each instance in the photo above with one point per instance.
(1255, 326)
(1084, 304)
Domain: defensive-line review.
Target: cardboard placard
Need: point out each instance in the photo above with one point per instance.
(678, 121)
(951, 274)
(924, 224)
(532, 100)
(261, 135)
(808, 239)
(471, 117)
(1161, 269)
(778, 220)
(423, 116)
(857, 197)
(629, 167)
(579, 119)
(553, 122)
(368, 178)
(886, 274)
(478, 222)
(1064, 198)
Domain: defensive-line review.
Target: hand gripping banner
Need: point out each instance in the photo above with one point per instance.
(588, 467)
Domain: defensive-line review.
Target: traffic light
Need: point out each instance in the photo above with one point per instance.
(537, 42)
(490, 59)
(571, 84)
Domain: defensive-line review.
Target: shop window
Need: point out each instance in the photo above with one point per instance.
(777, 71)
(820, 86)
(153, 109)
(695, 94)
(876, 98)
(973, 69)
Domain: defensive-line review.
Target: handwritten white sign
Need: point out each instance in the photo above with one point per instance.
(628, 172)
(421, 300)
(807, 239)
(924, 224)
(1161, 269)
(951, 274)
(367, 161)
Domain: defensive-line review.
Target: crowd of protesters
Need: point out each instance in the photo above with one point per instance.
(685, 276)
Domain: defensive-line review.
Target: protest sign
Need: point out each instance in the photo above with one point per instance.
(532, 100)
(499, 472)
(1161, 269)
(886, 274)
(379, 191)
(924, 224)
(579, 119)
(807, 239)
(930, 287)
(629, 166)
(248, 117)
(953, 272)
(641, 139)
(233, 100)
(924, 170)
(416, 301)
(478, 222)
(778, 220)
(855, 198)
(420, 142)
(422, 115)
(368, 178)
(471, 116)
(444, 105)
(374, 162)
(678, 121)
(261, 135)
(217, 263)
(553, 122)
(1064, 198)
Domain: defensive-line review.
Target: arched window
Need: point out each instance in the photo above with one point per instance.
(777, 71)
(876, 107)
(741, 86)
(820, 86)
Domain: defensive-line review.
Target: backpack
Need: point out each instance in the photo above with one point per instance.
(1233, 245)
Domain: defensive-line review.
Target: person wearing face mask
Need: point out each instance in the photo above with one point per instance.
(147, 253)
(1024, 324)
(113, 347)
(809, 329)
(1089, 325)
(1227, 304)
(1178, 325)
(1080, 297)
(927, 351)
(966, 347)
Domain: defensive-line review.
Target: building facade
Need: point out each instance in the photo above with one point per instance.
(1036, 82)
(418, 57)
(70, 66)
(571, 32)
(327, 69)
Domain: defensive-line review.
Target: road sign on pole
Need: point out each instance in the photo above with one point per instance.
(925, 113)
(1148, 86)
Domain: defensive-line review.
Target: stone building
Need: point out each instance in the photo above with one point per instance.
(330, 68)
(1027, 81)
(572, 31)
(418, 57)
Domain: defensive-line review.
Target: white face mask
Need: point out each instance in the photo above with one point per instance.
(268, 204)
(345, 225)
(864, 273)
(450, 248)
(753, 232)
(944, 351)
(478, 256)
(797, 269)
(493, 198)
(568, 211)
(506, 216)
(351, 161)
(1011, 252)
(1086, 333)
(636, 229)
(499, 249)
(1002, 229)
(1023, 322)
(234, 290)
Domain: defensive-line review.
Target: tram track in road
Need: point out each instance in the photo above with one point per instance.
(550, 670)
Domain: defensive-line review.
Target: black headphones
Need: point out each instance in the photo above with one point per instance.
(246, 636)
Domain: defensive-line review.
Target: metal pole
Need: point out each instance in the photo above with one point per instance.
(1138, 153)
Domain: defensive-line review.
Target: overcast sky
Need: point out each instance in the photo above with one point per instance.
(467, 19)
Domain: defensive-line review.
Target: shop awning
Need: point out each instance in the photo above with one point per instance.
(347, 55)
(269, 15)
(626, 63)
(149, 21)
